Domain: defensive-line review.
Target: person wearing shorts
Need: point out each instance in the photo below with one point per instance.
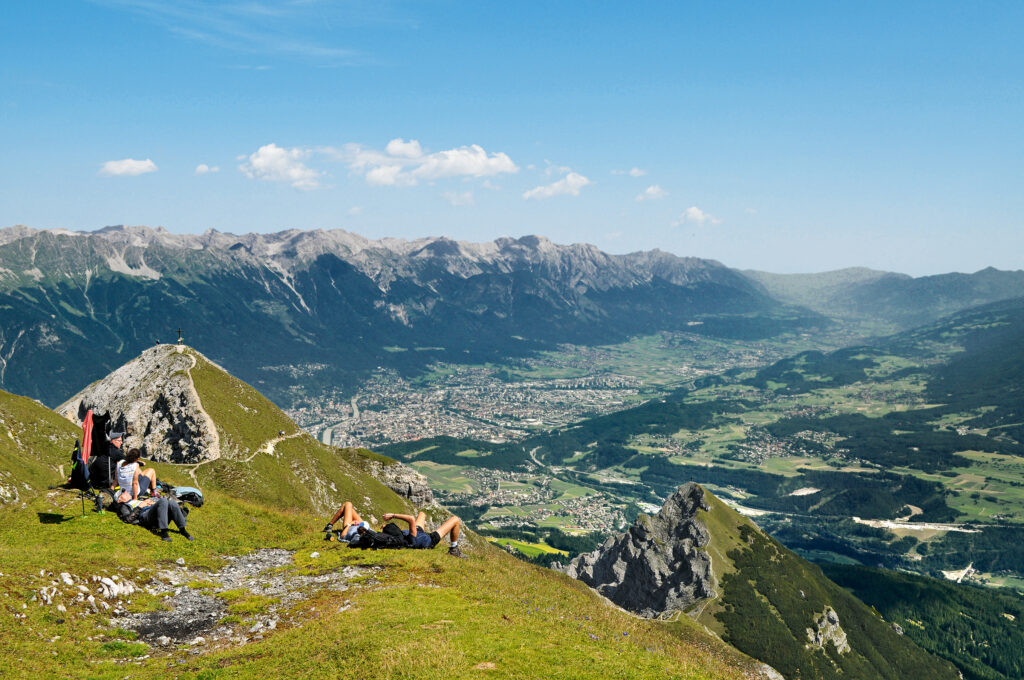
(351, 521)
(132, 479)
(418, 537)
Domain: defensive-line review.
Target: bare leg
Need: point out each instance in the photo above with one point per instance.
(348, 511)
(151, 473)
(451, 526)
(421, 519)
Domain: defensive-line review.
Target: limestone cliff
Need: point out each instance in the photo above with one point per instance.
(404, 481)
(154, 400)
(659, 565)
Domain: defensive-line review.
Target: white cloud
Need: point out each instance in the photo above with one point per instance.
(697, 216)
(652, 193)
(751, 211)
(203, 169)
(355, 210)
(403, 163)
(127, 167)
(276, 164)
(458, 198)
(404, 149)
(569, 185)
(471, 161)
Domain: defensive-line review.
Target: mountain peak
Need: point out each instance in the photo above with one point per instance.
(154, 399)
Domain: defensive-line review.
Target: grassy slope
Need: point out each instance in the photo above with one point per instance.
(302, 474)
(34, 442)
(430, 616)
(768, 597)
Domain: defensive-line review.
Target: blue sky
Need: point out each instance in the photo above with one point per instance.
(781, 136)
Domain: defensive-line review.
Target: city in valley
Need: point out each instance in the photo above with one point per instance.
(498, 404)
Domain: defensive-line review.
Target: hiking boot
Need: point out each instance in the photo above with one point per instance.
(187, 535)
(455, 551)
(164, 536)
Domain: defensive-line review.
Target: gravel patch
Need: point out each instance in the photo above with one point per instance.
(193, 615)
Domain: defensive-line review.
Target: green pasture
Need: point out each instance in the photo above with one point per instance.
(447, 478)
(528, 549)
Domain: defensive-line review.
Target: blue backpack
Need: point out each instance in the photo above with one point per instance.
(190, 495)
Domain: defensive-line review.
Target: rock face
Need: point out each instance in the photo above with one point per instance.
(826, 629)
(153, 399)
(658, 565)
(404, 481)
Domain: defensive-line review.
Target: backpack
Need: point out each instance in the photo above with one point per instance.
(79, 478)
(389, 537)
(190, 495)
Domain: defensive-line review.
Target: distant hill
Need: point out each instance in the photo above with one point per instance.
(296, 311)
(896, 300)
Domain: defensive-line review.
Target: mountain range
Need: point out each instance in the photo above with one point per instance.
(299, 311)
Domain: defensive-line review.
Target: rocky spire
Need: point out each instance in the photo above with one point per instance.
(659, 565)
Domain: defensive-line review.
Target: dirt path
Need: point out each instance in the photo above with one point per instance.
(271, 444)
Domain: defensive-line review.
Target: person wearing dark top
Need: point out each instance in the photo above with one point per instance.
(102, 467)
(154, 514)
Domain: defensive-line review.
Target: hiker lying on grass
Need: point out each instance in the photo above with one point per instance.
(359, 535)
(152, 514)
(132, 479)
(417, 536)
(351, 524)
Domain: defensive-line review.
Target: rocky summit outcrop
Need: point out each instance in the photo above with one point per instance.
(154, 400)
(658, 565)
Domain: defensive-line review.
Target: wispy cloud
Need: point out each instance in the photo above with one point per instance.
(652, 193)
(695, 215)
(127, 167)
(274, 163)
(204, 169)
(280, 28)
(458, 198)
(632, 172)
(569, 185)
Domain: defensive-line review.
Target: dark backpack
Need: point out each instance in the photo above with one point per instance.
(389, 537)
(190, 495)
(79, 478)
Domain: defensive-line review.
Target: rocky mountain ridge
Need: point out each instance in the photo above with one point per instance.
(335, 301)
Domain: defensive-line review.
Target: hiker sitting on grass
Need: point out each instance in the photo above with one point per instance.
(102, 474)
(131, 479)
(152, 514)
